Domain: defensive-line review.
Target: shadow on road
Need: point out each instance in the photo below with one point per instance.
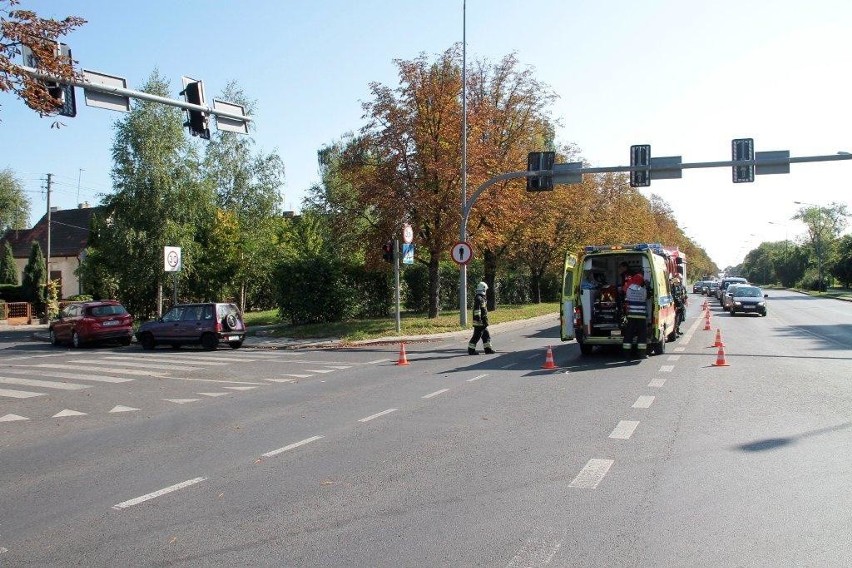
(776, 443)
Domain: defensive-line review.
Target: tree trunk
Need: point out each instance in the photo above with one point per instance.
(434, 286)
(490, 258)
(535, 285)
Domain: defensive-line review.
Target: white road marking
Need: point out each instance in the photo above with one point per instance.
(322, 371)
(121, 408)
(536, 356)
(382, 413)
(643, 402)
(508, 366)
(181, 400)
(291, 381)
(436, 393)
(213, 393)
(377, 361)
(667, 368)
(19, 394)
(537, 551)
(159, 493)
(108, 369)
(673, 358)
(67, 412)
(72, 376)
(680, 349)
(657, 383)
(295, 375)
(239, 388)
(477, 378)
(592, 474)
(42, 384)
(12, 418)
(210, 380)
(2, 550)
(624, 429)
(173, 360)
(291, 446)
(132, 364)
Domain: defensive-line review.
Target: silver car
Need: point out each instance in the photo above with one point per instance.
(728, 296)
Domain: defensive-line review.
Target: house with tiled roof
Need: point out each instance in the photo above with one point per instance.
(69, 236)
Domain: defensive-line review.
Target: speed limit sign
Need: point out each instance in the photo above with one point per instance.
(462, 252)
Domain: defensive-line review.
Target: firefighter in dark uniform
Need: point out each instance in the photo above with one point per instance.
(480, 322)
(636, 309)
(679, 297)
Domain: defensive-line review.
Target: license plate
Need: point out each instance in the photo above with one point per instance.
(110, 323)
(615, 333)
(749, 307)
(233, 338)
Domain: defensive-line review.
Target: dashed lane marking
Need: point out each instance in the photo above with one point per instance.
(12, 418)
(321, 371)
(656, 383)
(624, 430)
(667, 368)
(537, 551)
(239, 388)
(291, 446)
(291, 381)
(160, 493)
(436, 393)
(477, 378)
(680, 349)
(121, 408)
(41, 384)
(68, 412)
(510, 365)
(374, 416)
(294, 375)
(181, 400)
(592, 474)
(673, 358)
(72, 376)
(11, 393)
(377, 361)
(213, 394)
(644, 402)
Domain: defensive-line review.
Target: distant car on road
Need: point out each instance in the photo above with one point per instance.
(724, 283)
(698, 286)
(727, 300)
(91, 322)
(748, 300)
(711, 287)
(207, 324)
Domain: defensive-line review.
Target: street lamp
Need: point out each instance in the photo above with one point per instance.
(817, 240)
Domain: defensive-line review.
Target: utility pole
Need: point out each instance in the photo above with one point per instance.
(47, 258)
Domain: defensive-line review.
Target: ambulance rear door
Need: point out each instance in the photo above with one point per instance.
(566, 304)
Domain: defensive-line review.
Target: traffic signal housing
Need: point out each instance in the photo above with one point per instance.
(540, 161)
(640, 156)
(387, 251)
(742, 149)
(198, 121)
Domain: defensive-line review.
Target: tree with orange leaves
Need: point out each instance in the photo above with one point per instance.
(19, 28)
(406, 164)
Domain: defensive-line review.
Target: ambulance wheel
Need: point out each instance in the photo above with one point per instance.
(585, 349)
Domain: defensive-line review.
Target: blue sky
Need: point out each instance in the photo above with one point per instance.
(685, 77)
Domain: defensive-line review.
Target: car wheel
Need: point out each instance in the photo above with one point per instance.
(763, 314)
(147, 341)
(76, 342)
(235, 344)
(53, 339)
(125, 341)
(209, 342)
(586, 349)
(733, 312)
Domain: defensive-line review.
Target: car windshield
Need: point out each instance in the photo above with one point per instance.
(748, 292)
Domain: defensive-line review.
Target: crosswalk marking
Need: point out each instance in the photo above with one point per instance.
(294, 375)
(19, 394)
(181, 400)
(67, 412)
(41, 384)
(239, 388)
(281, 380)
(213, 394)
(106, 369)
(132, 364)
(121, 408)
(323, 371)
(176, 359)
(72, 376)
(12, 418)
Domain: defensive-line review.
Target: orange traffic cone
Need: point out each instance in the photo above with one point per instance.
(402, 359)
(720, 358)
(718, 342)
(548, 360)
(707, 321)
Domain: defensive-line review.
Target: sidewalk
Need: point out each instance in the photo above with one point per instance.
(258, 337)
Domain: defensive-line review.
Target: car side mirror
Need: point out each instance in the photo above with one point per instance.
(766, 295)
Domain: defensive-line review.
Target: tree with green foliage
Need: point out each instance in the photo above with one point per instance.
(8, 268)
(842, 262)
(160, 199)
(247, 186)
(34, 280)
(824, 224)
(14, 203)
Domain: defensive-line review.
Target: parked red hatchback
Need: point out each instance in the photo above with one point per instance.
(92, 322)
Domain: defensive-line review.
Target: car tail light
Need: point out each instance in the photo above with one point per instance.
(218, 325)
(578, 316)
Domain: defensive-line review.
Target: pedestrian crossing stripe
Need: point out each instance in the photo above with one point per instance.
(172, 360)
(181, 400)
(108, 369)
(132, 364)
(68, 412)
(120, 408)
(41, 384)
(72, 376)
(11, 393)
(12, 418)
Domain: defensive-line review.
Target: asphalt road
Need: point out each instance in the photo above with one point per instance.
(341, 457)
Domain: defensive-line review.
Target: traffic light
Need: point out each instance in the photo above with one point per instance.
(538, 161)
(65, 103)
(387, 251)
(742, 149)
(198, 122)
(640, 155)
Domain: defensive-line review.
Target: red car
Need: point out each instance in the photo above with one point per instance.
(90, 322)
